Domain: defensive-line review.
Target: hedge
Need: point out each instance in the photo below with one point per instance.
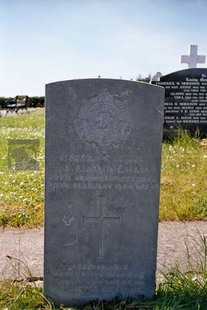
(33, 102)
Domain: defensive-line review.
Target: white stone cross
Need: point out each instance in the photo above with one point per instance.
(193, 59)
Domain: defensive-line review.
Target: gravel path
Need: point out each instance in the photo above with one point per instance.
(26, 245)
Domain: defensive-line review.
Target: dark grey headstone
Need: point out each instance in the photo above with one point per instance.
(103, 150)
(186, 100)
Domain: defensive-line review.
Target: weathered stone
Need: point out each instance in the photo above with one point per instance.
(103, 150)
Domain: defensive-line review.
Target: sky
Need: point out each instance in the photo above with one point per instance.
(44, 41)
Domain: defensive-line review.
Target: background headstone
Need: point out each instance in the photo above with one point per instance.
(103, 150)
(157, 76)
(185, 100)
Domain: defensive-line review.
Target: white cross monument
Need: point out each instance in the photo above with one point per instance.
(193, 59)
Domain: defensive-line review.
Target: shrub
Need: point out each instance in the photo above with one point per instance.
(36, 101)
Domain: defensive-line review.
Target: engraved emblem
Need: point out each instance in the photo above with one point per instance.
(104, 121)
(68, 220)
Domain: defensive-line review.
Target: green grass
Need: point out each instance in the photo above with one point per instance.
(21, 196)
(178, 290)
(183, 178)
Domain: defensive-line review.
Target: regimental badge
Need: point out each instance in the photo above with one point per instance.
(104, 121)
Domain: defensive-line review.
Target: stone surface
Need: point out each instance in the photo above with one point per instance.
(193, 59)
(185, 99)
(103, 150)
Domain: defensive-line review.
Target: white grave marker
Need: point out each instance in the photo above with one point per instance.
(193, 59)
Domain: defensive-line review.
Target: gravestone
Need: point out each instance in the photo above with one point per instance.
(185, 100)
(185, 96)
(103, 150)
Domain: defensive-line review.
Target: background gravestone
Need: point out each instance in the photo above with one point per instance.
(103, 150)
(185, 100)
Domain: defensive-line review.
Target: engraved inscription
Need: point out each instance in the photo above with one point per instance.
(185, 101)
(104, 278)
(100, 219)
(104, 121)
(82, 172)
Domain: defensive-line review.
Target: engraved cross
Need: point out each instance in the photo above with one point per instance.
(100, 219)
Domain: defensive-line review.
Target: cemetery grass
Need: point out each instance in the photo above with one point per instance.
(178, 290)
(183, 179)
(183, 176)
(21, 196)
